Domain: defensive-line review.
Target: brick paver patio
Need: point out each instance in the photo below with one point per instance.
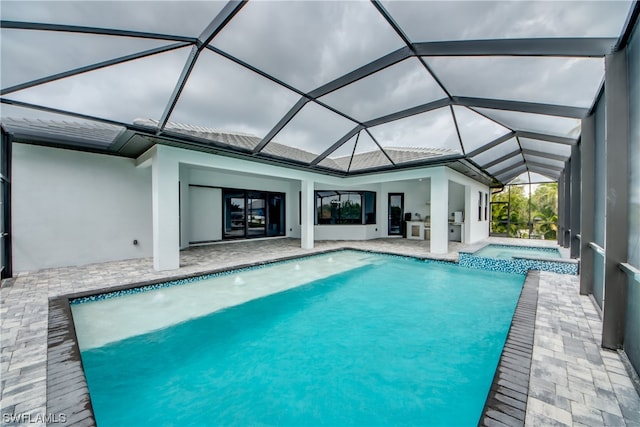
(572, 381)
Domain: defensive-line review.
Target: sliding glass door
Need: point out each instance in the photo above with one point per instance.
(252, 214)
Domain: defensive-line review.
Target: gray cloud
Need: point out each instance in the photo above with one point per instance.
(561, 126)
(434, 129)
(476, 130)
(224, 95)
(306, 44)
(459, 20)
(399, 87)
(138, 89)
(188, 18)
(560, 81)
(314, 129)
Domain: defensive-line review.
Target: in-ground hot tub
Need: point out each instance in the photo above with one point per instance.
(518, 259)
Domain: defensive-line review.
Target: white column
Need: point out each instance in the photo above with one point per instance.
(184, 207)
(439, 213)
(468, 214)
(307, 202)
(166, 223)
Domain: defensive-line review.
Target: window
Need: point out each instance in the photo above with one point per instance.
(479, 205)
(369, 207)
(345, 207)
(486, 206)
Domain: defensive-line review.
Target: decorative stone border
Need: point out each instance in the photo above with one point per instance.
(68, 398)
(507, 400)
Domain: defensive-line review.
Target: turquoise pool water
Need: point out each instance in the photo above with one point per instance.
(509, 251)
(392, 342)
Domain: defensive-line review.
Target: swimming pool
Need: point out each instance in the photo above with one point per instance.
(390, 341)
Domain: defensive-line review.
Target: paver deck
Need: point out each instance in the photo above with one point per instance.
(572, 380)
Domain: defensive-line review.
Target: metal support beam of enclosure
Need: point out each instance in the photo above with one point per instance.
(568, 197)
(616, 218)
(5, 182)
(561, 201)
(587, 217)
(574, 220)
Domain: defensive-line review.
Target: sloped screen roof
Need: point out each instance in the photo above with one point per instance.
(340, 87)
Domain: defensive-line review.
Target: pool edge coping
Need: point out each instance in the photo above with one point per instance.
(506, 403)
(67, 353)
(67, 390)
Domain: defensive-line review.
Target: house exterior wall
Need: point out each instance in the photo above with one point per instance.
(74, 208)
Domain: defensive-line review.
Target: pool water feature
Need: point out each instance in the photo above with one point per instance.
(390, 341)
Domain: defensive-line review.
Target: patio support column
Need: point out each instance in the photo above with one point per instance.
(616, 218)
(574, 242)
(566, 238)
(588, 206)
(166, 224)
(307, 202)
(184, 207)
(440, 213)
(561, 201)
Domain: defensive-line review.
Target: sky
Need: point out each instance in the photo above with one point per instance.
(303, 45)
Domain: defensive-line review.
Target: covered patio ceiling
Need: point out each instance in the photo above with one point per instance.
(494, 89)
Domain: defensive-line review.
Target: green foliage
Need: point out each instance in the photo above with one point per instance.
(544, 210)
(510, 219)
(513, 219)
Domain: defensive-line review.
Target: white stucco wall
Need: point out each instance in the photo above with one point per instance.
(205, 214)
(475, 230)
(73, 208)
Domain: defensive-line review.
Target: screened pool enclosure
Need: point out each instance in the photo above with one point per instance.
(499, 92)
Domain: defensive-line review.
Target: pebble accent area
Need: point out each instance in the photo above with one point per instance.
(518, 265)
(561, 314)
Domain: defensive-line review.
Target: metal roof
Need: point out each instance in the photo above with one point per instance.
(344, 87)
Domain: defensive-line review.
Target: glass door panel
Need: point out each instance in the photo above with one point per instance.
(396, 210)
(275, 215)
(256, 214)
(234, 215)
